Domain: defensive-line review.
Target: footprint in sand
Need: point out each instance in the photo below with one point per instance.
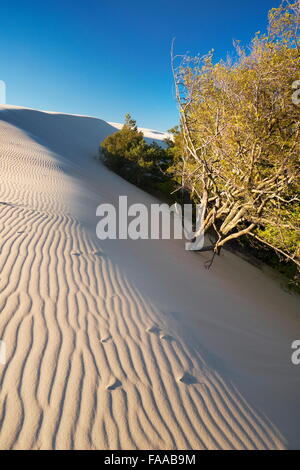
(167, 338)
(3, 203)
(154, 329)
(105, 339)
(188, 379)
(99, 253)
(157, 331)
(115, 384)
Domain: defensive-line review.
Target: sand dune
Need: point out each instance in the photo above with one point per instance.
(149, 134)
(126, 344)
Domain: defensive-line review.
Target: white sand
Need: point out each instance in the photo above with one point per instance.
(99, 334)
(149, 134)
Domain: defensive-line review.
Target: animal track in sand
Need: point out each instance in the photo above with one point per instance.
(157, 331)
(95, 253)
(3, 203)
(99, 253)
(167, 337)
(188, 379)
(106, 339)
(115, 384)
(154, 329)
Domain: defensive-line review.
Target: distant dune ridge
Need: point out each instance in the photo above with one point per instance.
(126, 344)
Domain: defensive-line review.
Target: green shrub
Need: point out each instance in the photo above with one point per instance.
(126, 153)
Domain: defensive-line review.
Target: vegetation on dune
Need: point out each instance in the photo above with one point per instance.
(145, 165)
(237, 148)
(241, 137)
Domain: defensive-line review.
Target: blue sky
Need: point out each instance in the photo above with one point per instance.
(105, 58)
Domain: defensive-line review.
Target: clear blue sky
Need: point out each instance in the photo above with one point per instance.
(108, 57)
